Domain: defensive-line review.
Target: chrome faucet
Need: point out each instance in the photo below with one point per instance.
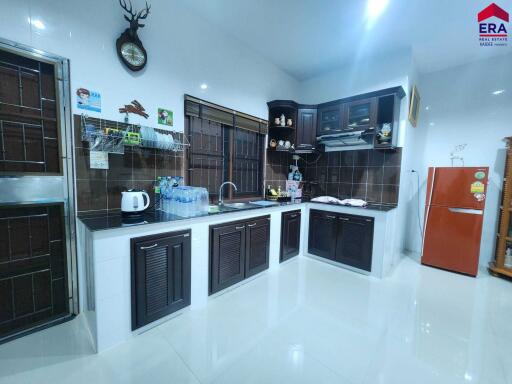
(221, 202)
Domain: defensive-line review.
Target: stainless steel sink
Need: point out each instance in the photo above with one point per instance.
(238, 205)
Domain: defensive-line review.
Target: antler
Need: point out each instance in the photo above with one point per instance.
(122, 3)
(143, 14)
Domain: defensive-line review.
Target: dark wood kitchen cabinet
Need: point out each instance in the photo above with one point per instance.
(354, 241)
(227, 255)
(360, 115)
(377, 114)
(306, 127)
(257, 246)
(290, 235)
(347, 239)
(322, 233)
(238, 250)
(329, 119)
(160, 276)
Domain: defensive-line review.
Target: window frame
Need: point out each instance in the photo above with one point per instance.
(229, 148)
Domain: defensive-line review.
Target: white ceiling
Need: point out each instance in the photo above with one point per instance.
(308, 37)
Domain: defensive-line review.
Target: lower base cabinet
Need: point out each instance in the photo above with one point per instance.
(354, 241)
(160, 276)
(290, 235)
(322, 234)
(347, 239)
(238, 250)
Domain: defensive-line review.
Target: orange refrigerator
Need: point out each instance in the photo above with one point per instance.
(454, 212)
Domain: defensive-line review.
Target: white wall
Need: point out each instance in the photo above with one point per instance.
(360, 77)
(184, 51)
(463, 110)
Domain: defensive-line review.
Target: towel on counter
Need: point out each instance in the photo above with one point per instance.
(333, 200)
(326, 199)
(354, 202)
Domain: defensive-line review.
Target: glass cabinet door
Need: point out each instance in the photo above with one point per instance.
(329, 120)
(360, 114)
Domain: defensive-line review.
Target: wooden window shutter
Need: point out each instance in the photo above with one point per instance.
(191, 108)
(247, 124)
(214, 114)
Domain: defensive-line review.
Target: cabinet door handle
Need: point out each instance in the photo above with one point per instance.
(293, 216)
(149, 247)
(252, 225)
(343, 218)
(239, 228)
(186, 235)
(330, 217)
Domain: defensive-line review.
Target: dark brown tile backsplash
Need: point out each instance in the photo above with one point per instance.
(137, 168)
(371, 175)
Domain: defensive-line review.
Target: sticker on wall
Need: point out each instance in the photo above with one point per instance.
(98, 160)
(165, 116)
(88, 100)
(480, 175)
(477, 187)
(134, 107)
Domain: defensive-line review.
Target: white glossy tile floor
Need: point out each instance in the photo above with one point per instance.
(307, 322)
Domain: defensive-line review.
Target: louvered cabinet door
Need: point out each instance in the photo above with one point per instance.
(257, 245)
(227, 255)
(354, 244)
(322, 233)
(160, 276)
(290, 235)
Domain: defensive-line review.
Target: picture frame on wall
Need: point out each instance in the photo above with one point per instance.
(414, 107)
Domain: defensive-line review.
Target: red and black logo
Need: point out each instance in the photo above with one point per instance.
(492, 26)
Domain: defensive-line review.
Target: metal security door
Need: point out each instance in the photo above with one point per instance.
(37, 246)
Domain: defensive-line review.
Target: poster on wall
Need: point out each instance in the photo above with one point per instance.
(165, 116)
(88, 100)
(98, 160)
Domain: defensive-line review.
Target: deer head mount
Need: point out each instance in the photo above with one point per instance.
(129, 47)
(134, 16)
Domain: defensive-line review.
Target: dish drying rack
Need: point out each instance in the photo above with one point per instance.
(113, 136)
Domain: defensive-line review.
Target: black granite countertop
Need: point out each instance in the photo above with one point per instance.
(95, 221)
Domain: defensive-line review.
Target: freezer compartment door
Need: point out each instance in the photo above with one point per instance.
(452, 239)
(457, 187)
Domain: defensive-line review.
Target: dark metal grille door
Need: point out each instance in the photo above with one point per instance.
(36, 192)
(32, 266)
(28, 116)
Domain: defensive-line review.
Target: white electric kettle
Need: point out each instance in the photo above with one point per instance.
(132, 201)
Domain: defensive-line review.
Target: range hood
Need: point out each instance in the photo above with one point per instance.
(347, 141)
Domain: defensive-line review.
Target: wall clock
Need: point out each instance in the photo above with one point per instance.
(129, 47)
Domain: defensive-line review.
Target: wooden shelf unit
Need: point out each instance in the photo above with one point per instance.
(497, 267)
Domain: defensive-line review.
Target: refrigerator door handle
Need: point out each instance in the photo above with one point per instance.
(467, 211)
(427, 213)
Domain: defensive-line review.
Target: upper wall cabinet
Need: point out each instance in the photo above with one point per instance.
(282, 122)
(306, 129)
(330, 119)
(374, 116)
(360, 115)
